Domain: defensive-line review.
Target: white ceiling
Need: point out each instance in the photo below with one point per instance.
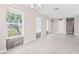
(65, 10)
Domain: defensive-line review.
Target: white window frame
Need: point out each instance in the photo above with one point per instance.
(18, 12)
(47, 25)
(39, 23)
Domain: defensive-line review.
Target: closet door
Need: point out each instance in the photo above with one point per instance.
(70, 26)
(61, 26)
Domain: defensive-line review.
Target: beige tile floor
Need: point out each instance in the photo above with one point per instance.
(51, 44)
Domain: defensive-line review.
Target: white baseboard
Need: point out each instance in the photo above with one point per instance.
(76, 35)
(2, 51)
(33, 39)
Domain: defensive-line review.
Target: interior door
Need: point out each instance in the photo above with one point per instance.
(61, 26)
(70, 25)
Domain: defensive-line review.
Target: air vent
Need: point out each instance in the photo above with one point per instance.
(55, 8)
(52, 20)
(60, 19)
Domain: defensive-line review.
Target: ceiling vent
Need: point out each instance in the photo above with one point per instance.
(52, 20)
(60, 19)
(55, 8)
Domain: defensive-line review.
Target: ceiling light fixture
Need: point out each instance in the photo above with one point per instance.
(36, 6)
(39, 5)
(32, 5)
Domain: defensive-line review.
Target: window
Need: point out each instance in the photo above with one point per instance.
(38, 24)
(14, 23)
(38, 27)
(47, 25)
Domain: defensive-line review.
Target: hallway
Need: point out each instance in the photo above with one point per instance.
(32, 29)
(52, 44)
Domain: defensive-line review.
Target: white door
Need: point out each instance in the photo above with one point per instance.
(61, 26)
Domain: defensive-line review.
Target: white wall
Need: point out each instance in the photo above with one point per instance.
(2, 29)
(43, 26)
(76, 25)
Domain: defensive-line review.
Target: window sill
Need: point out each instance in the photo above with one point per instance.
(14, 37)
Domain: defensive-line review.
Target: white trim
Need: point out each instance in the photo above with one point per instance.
(34, 39)
(2, 51)
(13, 37)
(76, 34)
(15, 10)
